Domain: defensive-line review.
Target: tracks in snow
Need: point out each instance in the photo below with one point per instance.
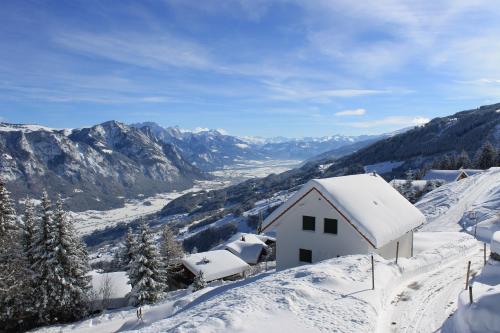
(423, 303)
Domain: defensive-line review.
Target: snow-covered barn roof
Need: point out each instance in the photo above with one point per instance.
(495, 242)
(215, 265)
(248, 252)
(246, 246)
(449, 175)
(372, 206)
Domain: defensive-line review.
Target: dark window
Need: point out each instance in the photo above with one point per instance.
(305, 255)
(331, 226)
(308, 223)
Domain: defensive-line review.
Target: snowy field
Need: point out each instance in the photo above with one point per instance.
(88, 221)
(252, 169)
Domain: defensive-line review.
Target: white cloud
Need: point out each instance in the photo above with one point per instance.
(354, 112)
(402, 121)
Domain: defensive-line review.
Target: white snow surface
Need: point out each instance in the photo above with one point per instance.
(119, 282)
(215, 264)
(452, 206)
(483, 315)
(379, 212)
(448, 175)
(495, 243)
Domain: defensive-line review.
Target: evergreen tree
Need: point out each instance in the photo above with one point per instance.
(486, 156)
(199, 282)
(171, 249)
(463, 160)
(407, 189)
(71, 268)
(45, 260)
(12, 275)
(7, 212)
(29, 231)
(129, 249)
(145, 270)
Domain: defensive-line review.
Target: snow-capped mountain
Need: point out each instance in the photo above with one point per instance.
(213, 149)
(92, 167)
(204, 148)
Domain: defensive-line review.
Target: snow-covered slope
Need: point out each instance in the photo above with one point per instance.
(459, 205)
(334, 295)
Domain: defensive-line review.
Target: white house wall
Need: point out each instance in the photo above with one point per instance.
(291, 237)
(388, 251)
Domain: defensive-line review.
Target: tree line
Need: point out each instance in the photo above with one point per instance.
(44, 266)
(485, 157)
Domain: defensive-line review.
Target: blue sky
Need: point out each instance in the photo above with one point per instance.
(267, 68)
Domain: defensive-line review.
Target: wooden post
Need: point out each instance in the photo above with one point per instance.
(468, 274)
(475, 230)
(373, 275)
(397, 252)
(470, 295)
(484, 253)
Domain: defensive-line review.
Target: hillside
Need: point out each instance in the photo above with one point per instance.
(94, 167)
(466, 130)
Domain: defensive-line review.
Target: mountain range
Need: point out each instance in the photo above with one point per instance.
(100, 166)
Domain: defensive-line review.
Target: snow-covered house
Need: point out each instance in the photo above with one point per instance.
(250, 248)
(218, 264)
(449, 176)
(339, 216)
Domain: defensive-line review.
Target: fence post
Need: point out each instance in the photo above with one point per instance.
(470, 295)
(468, 274)
(397, 252)
(484, 253)
(373, 275)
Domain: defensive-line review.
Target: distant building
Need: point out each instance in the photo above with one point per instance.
(339, 216)
(216, 265)
(251, 248)
(449, 176)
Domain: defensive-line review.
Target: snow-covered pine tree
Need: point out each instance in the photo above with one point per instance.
(45, 261)
(486, 156)
(7, 212)
(170, 249)
(29, 231)
(199, 281)
(12, 275)
(463, 160)
(145, 271)
(407, 190)
(71, 268)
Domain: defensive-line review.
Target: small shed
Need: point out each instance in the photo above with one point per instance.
(251, 248)
(339, 216)
(218, 264)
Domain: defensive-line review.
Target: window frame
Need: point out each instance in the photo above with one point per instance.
(307, 253)
(336, 221)
(304, 223)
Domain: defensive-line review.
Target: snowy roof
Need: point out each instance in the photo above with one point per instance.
(248, 252)
(372, 206)
(495, 242)
(215, 265)
(449, 175)
(246, 246)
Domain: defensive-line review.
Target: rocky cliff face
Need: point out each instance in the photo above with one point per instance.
(92, 168)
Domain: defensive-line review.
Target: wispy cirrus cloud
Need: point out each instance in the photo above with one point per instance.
(353, 112)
